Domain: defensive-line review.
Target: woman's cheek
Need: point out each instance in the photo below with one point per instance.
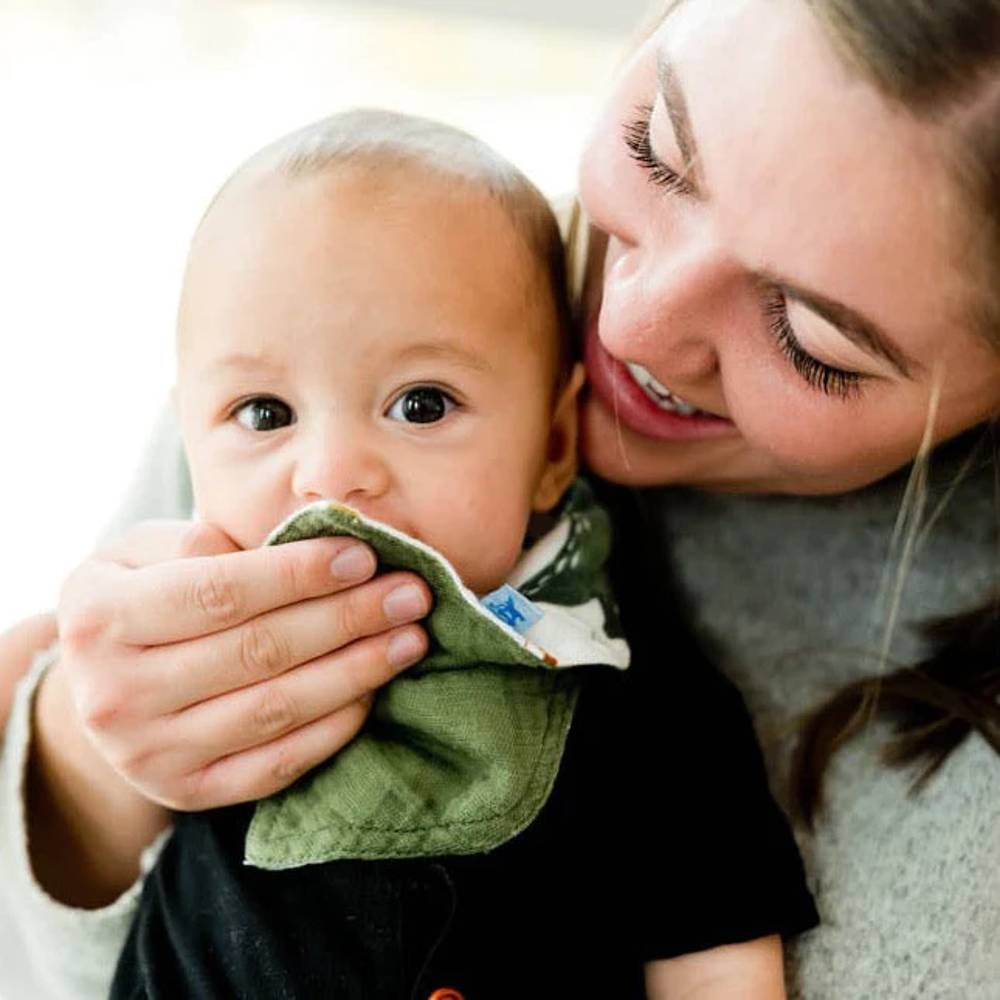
(792, 431)
(822, 445)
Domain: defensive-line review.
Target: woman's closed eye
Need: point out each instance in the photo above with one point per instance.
(264, 413)
(421, 404)
(637, 141)
(826, 378)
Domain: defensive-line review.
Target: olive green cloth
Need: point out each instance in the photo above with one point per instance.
(461, 751)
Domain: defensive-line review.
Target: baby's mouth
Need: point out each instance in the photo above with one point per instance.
(660, 394)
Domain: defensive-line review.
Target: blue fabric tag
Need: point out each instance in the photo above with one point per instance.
(512, 608)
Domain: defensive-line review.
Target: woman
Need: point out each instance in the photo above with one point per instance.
(789, 295)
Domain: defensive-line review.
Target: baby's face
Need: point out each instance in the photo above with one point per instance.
(381, 339)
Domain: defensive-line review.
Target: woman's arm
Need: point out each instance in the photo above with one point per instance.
(751, 971)
(18, 646)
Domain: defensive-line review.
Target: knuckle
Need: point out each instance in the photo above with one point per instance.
(357, 673)
(273, 714)
(82, 625)
(284, 767)
(351, 615)
(262, 653)
(100, 707)
(196, 539)
(291, 570)
(136, 762)
(214, 596)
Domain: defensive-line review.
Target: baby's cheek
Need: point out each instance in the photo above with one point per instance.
(489, 551)
(225, 505)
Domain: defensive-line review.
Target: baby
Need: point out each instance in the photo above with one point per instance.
(374, 313)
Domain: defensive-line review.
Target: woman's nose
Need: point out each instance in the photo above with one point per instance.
(669, 306)
(345, 467)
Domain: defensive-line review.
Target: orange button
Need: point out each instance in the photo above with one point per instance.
(446, 994)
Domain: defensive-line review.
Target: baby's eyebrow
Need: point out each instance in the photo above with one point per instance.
(246, 360)
(438, 350)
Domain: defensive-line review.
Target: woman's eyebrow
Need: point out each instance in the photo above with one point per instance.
(676, 105)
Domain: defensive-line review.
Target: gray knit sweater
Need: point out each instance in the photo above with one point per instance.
(784, 591)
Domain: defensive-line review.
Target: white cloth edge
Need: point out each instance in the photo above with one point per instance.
(573, 635)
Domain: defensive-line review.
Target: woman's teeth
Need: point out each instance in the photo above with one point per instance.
(659, 393)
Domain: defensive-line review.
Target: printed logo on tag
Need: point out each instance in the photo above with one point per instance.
(512, 608)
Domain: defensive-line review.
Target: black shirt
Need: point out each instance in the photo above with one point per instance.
(660, 838)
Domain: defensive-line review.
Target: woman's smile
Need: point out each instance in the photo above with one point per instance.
(659, 393)
(641, 402)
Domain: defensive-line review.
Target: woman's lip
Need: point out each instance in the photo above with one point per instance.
(614, 386)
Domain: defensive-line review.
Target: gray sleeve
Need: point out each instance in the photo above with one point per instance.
(49, 951)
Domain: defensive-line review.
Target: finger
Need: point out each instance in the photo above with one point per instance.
(187, 598)
(157, 541)
(273, 643)
(88, 596)
(264, 712)
(264, 770)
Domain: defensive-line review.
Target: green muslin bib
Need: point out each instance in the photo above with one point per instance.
(460, 752)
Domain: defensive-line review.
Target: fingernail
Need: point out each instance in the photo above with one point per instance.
(404, 603)
(353, 564)
(404, 649)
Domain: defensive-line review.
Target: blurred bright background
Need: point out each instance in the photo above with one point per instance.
(122, 117)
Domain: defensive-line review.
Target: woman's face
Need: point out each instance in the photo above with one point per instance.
(784, 289)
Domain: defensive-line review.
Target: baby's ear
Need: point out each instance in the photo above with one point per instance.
(560, 464)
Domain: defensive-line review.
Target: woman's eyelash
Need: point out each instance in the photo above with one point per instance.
(832, 381)
(636, 135)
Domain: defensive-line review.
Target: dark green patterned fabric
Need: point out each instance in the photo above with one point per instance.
(461, 751)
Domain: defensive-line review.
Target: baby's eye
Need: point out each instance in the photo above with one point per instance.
(424, 404)
(265, 413)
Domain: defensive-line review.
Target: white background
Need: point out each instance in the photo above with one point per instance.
(120, 119)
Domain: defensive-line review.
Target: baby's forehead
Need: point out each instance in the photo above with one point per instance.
(388, 193)
(439, 232)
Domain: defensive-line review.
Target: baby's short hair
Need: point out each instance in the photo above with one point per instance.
(392, 138)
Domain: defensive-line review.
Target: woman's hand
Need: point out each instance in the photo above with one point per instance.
(194, 675)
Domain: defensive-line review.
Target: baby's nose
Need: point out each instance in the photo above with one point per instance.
(345, 469)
